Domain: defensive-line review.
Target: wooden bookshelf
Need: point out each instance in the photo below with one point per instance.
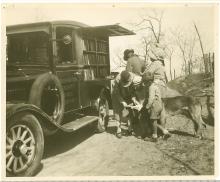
(95, 58)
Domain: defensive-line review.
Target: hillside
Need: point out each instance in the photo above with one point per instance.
(194, 85)
(198, 85)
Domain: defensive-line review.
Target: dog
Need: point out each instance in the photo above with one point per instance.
(181, 104)
(190, 107)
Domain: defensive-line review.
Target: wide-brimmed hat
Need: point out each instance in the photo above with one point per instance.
(126, 78)
(126, 52)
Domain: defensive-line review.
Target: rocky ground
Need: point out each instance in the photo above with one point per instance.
(85, 153)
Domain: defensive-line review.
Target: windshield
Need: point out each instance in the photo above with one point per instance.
(28, 48)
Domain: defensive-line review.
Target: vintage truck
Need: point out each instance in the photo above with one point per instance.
(57, 79)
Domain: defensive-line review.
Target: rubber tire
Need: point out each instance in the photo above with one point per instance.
(36, 93)
(101, 128)
(33, 124)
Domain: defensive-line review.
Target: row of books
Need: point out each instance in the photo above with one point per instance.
(89, 59)
(89, 74)
(93, 45)
(92, 73)
(101, 72)
(89, 45)
(102, 47)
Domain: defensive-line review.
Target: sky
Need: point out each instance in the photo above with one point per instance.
(176, 16)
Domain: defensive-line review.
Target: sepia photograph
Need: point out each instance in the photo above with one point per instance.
(108, 90)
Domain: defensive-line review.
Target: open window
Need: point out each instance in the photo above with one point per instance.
(64, 44)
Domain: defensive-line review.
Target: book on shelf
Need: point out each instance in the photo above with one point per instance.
(95, 54)
(102, 46)
(92, 74)
(89, 74)
(95, 45)
(101, 59)
(86, 59)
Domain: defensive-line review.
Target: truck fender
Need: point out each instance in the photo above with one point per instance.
(44, 120)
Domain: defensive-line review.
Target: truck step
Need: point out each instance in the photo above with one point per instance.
(78, 123)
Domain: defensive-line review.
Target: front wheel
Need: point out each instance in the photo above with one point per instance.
(24, 145)
(103, 111)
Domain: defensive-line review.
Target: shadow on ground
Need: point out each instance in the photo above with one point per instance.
(62, 142)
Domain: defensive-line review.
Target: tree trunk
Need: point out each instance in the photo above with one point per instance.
(189, 71)
(213, 63)
(203, 54)
(171, 77)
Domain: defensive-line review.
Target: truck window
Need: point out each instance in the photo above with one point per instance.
(28, 48)
(64, 51)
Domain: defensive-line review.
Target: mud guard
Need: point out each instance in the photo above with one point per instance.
(45, 121)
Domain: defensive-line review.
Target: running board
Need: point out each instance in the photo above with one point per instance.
(78, 123)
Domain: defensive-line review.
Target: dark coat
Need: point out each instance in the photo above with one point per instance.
(123, 94)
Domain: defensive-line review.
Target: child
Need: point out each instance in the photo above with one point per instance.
(155, 74)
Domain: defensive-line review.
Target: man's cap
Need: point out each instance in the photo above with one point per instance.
(126, 78)
(126, 52)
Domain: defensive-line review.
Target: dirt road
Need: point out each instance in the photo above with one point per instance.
(84, 153)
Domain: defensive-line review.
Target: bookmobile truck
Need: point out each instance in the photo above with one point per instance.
(57, 78)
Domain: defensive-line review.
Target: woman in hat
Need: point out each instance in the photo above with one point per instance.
(157, 90)
(156, 111)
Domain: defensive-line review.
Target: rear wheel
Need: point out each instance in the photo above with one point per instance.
(47, 93)
(24, 145)
(103, 111)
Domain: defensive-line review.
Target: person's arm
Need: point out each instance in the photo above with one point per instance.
(152, 90)
(117, 94)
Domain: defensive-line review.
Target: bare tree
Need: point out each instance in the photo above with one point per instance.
(151, 26)
(182, 46)
(147, 41)
(186, 45)
(191, 47)
(169, 53)
(174, 74)
(200, 41)
(153, 23)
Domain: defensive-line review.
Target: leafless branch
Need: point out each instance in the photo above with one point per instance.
(203, 54)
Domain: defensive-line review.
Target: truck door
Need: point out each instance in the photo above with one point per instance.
(66, 67)
(96, 58)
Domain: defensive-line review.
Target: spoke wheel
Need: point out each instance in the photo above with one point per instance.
(24, 145)
(20, 148)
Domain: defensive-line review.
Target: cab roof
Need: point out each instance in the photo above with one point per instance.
(109, 30)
